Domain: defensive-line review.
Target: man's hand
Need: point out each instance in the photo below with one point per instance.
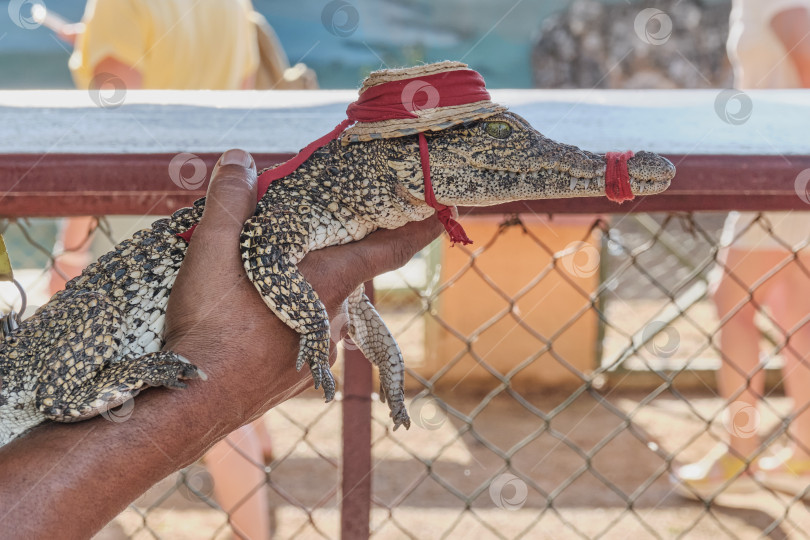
(68, 481)
(216, 317)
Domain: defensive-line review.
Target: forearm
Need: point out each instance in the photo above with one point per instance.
(800, 57)
(804, 71)
(102, 466)
(792, 28)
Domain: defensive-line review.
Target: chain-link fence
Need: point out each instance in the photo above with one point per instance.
(561, 381)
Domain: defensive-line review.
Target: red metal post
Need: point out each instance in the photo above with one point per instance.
(355, 503)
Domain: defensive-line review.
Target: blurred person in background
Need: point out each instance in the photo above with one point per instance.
(186, 45)
(163, 45)
(177, 44)
(769, 47)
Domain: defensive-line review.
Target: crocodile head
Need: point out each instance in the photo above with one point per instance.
(503, 158)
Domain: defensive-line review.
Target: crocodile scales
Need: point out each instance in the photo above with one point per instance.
(99, 342)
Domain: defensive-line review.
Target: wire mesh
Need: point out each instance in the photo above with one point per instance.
(562, 380)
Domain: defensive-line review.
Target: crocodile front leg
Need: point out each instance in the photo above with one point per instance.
(374, 339)
(115, 384)
(271, 246)
(78, 377)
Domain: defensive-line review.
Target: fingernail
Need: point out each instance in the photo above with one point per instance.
(236, 156)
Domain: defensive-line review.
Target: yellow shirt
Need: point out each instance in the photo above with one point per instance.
(173, 44)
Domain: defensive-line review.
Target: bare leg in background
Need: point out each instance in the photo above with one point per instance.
(237, 466)
(740, 379)
(73, 247)
(791, 314)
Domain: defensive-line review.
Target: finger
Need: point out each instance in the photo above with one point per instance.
(231, 197)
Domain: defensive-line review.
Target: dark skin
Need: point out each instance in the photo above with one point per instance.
(68, 481)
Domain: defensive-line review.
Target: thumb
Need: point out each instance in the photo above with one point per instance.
(231, 197)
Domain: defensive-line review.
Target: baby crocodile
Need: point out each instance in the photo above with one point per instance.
(99, 342)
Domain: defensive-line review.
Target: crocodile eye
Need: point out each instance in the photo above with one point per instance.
(498, 130)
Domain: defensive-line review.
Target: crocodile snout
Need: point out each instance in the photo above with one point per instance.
(649, 173)
(650, 167)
